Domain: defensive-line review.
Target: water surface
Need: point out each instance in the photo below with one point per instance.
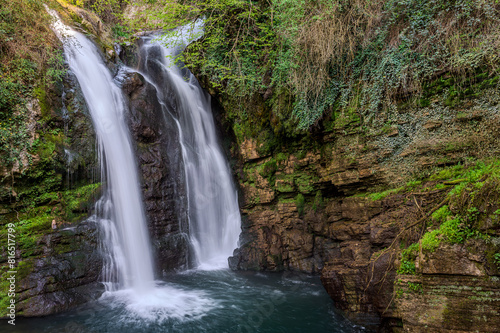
(207, 301)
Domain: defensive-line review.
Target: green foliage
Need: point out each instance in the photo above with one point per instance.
(79, 201)
(415, 287)
(300, 202)
(408, 257)
(30, 58)
(448, 173)
(496, 258)
(338, 54)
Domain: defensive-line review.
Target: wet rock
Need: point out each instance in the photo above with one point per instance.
(65, 276)
(81, 152)
(159, 157)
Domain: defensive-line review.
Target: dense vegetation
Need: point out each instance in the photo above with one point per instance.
(308, 60)
(315, 57)
(33, 189)
(30, 63)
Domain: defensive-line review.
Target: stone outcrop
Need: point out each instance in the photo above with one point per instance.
(64, 274)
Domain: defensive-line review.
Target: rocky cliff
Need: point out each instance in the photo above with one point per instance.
(58, 262)
(347, 200)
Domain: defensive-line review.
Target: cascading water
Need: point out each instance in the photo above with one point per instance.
(124, 204)
(120, 211)
(212, 197)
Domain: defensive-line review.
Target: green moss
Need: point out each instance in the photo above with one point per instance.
(79, 200)
(250, 171)
(300, 201)
(268, 169)
(382, 195)
(448, 173)
(301, 154)
(24, 268)
(413, 184)
(408, 257)
(496, 258)
(4, 291)
(441, 214)
(283, 200)
(41, 94)
(281, 157)
(285, 183)
(67, 244)
(453, 231)
(424, 102)
(318, 201)
(407, 267)
(343, 118)
(305, 183)
(35, 219)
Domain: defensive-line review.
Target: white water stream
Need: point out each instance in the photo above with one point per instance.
(124, 205)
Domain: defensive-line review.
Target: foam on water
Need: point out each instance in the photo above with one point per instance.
(161, 304)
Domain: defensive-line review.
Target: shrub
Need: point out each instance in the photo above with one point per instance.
(300, 202)
(408, 257)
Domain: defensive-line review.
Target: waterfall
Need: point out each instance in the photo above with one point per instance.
(214, 216)
(122, 202)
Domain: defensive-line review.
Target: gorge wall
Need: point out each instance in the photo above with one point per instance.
(56, 268)
(346, 201)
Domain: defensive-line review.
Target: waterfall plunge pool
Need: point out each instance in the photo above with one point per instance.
(206, 301)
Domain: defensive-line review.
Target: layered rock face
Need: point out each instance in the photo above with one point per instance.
(306, 209)
(457, 289)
